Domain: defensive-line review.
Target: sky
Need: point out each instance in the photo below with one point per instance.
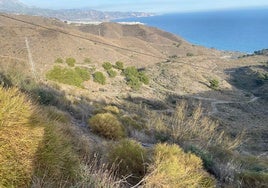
(156, 6)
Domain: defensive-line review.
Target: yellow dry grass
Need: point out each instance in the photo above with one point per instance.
(19, 138)
(173, 168)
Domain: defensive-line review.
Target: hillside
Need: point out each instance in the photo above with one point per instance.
(83, 14)
(100, 83)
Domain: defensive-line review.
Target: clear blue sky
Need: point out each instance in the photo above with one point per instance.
(148, 5)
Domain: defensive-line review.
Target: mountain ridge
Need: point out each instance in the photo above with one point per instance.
(17, 7)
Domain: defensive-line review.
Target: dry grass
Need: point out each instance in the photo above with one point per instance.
(20, 136)
(173, 168)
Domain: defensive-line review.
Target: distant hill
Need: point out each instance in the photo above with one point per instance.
(16, 7)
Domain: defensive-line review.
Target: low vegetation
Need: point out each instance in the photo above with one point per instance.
(112, 73)
(107, 65)
(69, 76)
(171, 167)
(99, 78)
(107, 125)
(119, 65)
(131, 157)
(70, 61)
(214, 84)
(135, 78)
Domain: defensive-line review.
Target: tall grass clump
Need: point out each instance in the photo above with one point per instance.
(107, 125)
(171, 167)
(19, 138)
(131, 159)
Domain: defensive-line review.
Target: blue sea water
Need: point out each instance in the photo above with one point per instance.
(232, 30)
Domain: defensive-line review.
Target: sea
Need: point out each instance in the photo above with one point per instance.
(229, 30)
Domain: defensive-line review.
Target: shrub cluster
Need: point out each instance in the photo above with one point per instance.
(135, 78)
(68, 76)
(99, 78)
(107, 125)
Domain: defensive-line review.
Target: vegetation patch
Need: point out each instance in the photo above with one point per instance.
(107, 65)
(131, 159)
(171, 167)
(135, 78)
(112, 73)
(70, 61)
(59, 60)
(68, 76)
(99, 78)
(119, 65)
(214, 84)
(107, 125)
(19, 138)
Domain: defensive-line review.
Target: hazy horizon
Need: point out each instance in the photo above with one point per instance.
(156, 6)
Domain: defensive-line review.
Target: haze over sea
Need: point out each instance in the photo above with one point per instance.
(232, 30)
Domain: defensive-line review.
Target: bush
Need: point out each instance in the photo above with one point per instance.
(19, 138)
(119, 65)
(214, 84)
(111, 73)
(144, 78)
(65, 76)
(171, 167)
(107, 65)
(59, 60)
(135, 78)
(70, 61)
(83, 73)
(130, 157)
(107, 125)
(99, 78)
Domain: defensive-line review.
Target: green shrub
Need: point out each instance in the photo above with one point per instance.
(214, 84)
(83, 73)
(70, 61)
(134, 82)
(171, 167)
(112, 73)
(99, 78)
(135, 78)
(131, 159)
(59, 60)
(119, 65)
(65, 76)
(144, 78)
(130, 123)
(107, 65)
(107, 125)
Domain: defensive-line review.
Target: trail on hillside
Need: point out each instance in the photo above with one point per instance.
(31, 62)
(214, 102)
